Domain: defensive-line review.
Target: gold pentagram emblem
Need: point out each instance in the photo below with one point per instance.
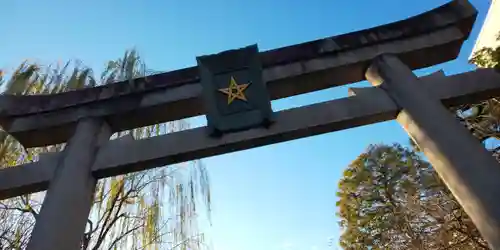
(235, 91)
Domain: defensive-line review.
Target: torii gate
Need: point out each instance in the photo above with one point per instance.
(230, 88)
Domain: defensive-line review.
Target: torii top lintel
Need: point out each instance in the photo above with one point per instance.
(430, 38)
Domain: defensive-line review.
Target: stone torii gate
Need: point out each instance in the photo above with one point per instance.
(234, 90)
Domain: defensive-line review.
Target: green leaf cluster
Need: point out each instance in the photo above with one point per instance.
(390, 198)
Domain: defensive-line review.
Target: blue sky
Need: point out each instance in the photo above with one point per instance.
(278, 197)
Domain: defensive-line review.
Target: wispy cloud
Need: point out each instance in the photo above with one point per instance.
(287, 245)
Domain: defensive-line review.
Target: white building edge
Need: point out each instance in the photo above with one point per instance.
(491, 27)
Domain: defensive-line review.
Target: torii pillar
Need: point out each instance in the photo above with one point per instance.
(61, 222)
(466, 167)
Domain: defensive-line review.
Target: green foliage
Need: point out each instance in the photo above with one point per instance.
(483, 118)
(143, 210)
(390, 198)
(487, 57)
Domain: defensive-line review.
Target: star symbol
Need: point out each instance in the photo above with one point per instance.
(235, 91)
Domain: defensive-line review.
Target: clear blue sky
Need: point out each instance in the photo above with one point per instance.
(272, 198)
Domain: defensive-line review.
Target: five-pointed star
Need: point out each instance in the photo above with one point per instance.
(235, 91)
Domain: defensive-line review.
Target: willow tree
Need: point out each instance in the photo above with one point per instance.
(142, 210)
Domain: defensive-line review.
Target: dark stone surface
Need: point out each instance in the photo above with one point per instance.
(372, 105)
(363, 107)
(458, 13)
(217, 71)
(430, 38)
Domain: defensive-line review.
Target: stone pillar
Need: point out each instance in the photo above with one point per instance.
(65, 210)
(467, 168)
